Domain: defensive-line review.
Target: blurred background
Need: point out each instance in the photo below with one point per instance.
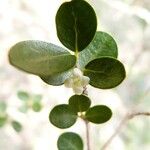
(25, 101)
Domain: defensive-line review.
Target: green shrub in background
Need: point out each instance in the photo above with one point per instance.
(6, 119)
(29, 101)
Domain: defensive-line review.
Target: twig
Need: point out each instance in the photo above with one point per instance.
(139, 114)
(127, 117)
(123, 121)
(85, 91)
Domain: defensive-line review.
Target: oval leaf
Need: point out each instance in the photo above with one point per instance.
(41, 58)
(76, 24)
(98, 114)
(102, 45)
(57, 79)
(22, 95)
(105, 72)
(79, 103)
(70, 141)
(17, 126)
(37, 106)
(37, 97)
(62, 116)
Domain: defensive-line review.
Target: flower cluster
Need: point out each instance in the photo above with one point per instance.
(77, 81)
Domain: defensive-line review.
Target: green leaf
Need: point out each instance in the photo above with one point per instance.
(37, 97)
(79, 103)
(105, 72)
(102, 45)
(57, 79)
(76, 24)
(62, 116)
(3, 120)
(98, 114)
(17, 126)
(36, 106)
(3, 107)
(41, 58)
(70, 141)
(22, 95)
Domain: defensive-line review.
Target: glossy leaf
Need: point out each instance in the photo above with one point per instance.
(102, 45)
(98, 114)
(41, 58)
(17, 126)
(57, 79)
(22, 95)
(70, 141)
(79, 103)
(105, 72)
(62, 116)
(76, 24)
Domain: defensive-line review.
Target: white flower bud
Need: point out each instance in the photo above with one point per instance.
(77, 81)
(68, 83)
(85, 80)
(77, 72)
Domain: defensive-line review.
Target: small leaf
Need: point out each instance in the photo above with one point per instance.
(17, 126)
(76, 24)
(3, 120)
(3, 106)
(41, 58)
(37, 97)
(98, 114)
(70, 141)
(105, 72)
(79, 103)
(62, 116)
(57, 79)
(36, 106)
(102, 45)
(22, 95)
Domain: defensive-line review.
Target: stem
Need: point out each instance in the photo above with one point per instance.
(76, 34)
(76, 38)
(87, 134)
(87, 124)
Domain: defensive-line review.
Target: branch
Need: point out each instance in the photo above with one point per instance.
(138, 114)
(127, 117)
(123, 121)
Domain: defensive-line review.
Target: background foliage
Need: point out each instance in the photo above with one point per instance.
(129, 26)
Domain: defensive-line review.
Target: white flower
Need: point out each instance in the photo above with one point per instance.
(77, 72)
(77, 81)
